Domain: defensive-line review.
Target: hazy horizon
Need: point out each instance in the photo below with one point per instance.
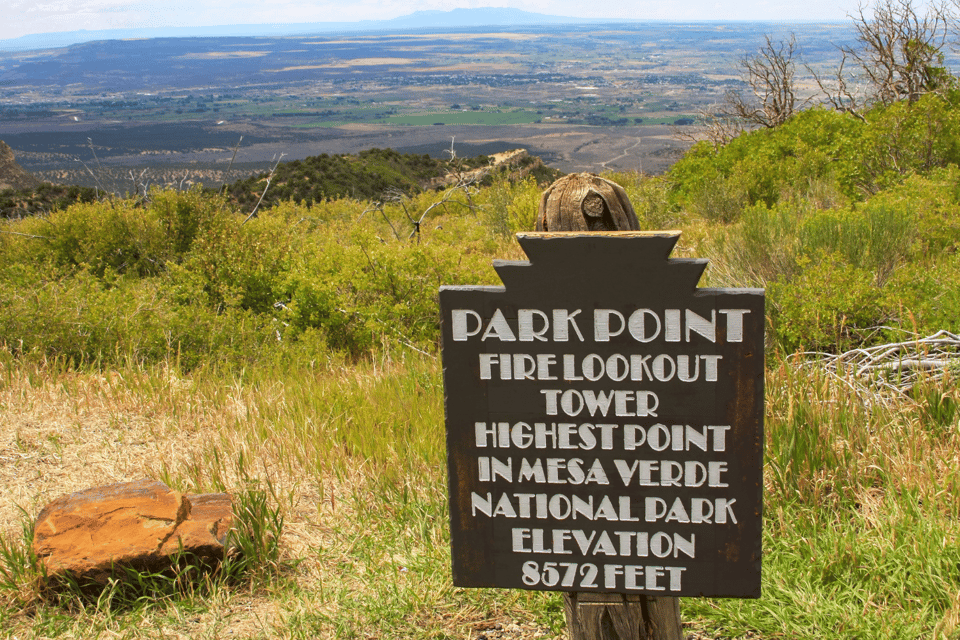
(33, 18)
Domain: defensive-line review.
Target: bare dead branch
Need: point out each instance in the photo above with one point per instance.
(97, 187)
(770, 76)
(230, 166)
(713, 124)
(269, 178)
(464, 181)
(378, 206)
(839, 95)
(94, 152)
(885, 372)
(24, 235)
(898, 56)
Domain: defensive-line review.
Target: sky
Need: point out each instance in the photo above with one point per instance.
(24, 17)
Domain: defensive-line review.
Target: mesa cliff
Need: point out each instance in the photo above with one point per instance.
(12, 175)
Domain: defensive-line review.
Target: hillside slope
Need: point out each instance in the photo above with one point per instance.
(12, 175)
(372, 174)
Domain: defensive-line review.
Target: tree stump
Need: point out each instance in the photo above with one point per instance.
(587, 202)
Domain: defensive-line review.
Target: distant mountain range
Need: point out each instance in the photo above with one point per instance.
(456, 18)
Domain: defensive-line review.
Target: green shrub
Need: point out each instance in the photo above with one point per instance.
(83, 320)
(316, 179)
(123, 237)
(814, 148)
(765, 244)
(874, 237)
(826, 271)
(46, 197)
(356, 289)
(510, 205)
(821, 155)
(830, 305)
(906, 138)
(924, 296)
(182, 276)
(932, 199)
(237, 265)
(650, 199)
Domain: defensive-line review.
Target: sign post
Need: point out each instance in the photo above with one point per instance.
(604, 429)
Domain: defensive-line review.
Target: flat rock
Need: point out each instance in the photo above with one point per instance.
(204, 532)
(137, 524)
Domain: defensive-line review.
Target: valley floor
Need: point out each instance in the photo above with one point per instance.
(196, 152)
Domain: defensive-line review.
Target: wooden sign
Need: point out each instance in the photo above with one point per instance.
(604, 422)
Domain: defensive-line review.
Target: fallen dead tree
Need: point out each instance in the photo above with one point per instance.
(887, 372)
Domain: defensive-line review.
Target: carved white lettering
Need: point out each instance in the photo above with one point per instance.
(499, 328)
(623, 544)
(593, 367)
(659, 437)
(643, 325)
(525, 322)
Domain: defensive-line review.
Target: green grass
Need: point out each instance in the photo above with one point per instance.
(344, 533)
(859, 519)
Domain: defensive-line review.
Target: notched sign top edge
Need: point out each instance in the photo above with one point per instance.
(741, 291)
(471, 287)
(633, 258)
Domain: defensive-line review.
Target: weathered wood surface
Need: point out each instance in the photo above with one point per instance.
(609, 616)
(587, 202)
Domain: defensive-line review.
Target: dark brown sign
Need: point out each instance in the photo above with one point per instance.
(604, 422)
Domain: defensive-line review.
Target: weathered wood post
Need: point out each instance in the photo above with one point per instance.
(586, 202)
(604, 422)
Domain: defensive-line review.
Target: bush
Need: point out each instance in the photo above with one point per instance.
(83, 320)
(356, 290)
(831, 274)
(180, 276)
(650, 200)
(125, 238)
(767, 166)
(819, 153)
(185, 279)
(829, 306)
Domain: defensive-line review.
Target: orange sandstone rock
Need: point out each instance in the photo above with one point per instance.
(135, 524)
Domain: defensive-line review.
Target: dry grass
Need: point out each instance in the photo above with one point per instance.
(69, 431)
(365, 539)
(366, 523)
(66, 433)
(355, 556)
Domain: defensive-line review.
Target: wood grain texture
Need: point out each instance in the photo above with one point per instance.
(586, 202)
(622, 617)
